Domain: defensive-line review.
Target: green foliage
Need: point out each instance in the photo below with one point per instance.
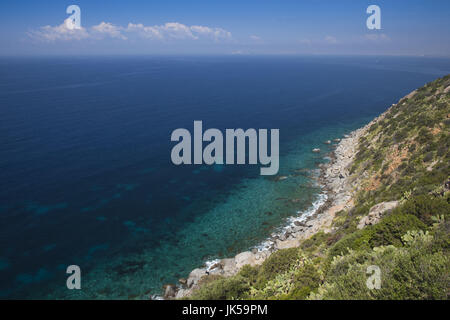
(388, 232)
(313, 242)
(280, 261)
(414, 271)
(222, 289)
(424, 207)
(306, 280)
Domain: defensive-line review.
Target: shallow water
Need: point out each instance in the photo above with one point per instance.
(85, 160)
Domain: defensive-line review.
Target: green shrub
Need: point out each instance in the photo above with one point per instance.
(314, 241)
(428, 157)
(223, 289)
(305, 281)
(424, 207)
(279, 262)
(410, 272)
(388, 232)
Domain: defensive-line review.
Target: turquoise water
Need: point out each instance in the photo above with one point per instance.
(85, 159)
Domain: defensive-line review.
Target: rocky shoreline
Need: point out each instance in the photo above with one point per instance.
(338, 192)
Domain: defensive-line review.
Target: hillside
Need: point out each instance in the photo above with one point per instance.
(396, 218)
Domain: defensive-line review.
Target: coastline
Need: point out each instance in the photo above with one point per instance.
(337, 195)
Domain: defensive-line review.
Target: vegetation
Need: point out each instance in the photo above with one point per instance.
(403, 156)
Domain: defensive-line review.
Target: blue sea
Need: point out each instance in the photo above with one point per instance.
(85, 171)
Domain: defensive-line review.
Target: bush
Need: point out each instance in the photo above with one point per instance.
(410, 272)
(279, 262)
(424, 207)
(222, 289)
(388, 232)
(428, 157)
(305, 281)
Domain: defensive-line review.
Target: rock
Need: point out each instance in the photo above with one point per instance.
(195, 276)
(447, 90)
(217, 265)
(229, 267)
(299, 223)
(328, 142)
(411, 94)
(261, 256)
(376, 212)
(216, 271)
(182, 293)
(170, 291)
(183, 281)
(254, 251)
(244, 258)
(337, 140)
(287, 244)
(316, 150)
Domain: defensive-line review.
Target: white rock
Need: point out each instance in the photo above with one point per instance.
(195, 276)
(376, 212)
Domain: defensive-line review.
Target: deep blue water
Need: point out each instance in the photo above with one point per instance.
(85, 170)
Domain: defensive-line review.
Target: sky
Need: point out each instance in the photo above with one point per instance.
(231, 27)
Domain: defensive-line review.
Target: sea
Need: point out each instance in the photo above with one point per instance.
(86, 176)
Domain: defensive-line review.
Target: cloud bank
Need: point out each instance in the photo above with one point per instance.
(166, 32)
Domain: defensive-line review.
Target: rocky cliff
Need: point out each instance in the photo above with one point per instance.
(388, 205)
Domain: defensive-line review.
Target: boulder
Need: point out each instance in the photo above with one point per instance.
(244, 258)
(170, 291)
(182, 293)
(228, 266)
(287, 244)
(195, 276)
(299, 223)
(376, 212)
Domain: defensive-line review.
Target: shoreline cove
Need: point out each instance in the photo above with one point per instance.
(336, 195)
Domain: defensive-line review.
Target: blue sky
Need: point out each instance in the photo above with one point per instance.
(410, 27)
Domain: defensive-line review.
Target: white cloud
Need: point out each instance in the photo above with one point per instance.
(64, 31)
(177, 30)
(215, 33)
(167, 31)
(144, 32)
(256, 38)
(107, 29)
